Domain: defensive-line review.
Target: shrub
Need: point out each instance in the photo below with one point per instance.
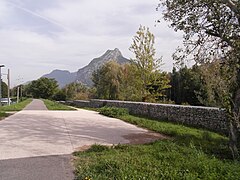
(113, 111)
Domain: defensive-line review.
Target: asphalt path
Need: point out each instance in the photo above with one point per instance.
(37, 144)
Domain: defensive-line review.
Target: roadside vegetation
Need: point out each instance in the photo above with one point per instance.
(52, 105)
(16, 107)
(3, 115)
(4, 110)
(189, 153)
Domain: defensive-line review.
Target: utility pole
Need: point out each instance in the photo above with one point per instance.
(21, 91)
(17, 94)
(1, 84)
(8, 77)
(18, 89)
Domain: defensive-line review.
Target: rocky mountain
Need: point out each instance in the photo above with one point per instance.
(84, 74)
(63, 77)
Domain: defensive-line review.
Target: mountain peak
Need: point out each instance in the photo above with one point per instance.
(112, 53)
(116, 50)
(84, 75)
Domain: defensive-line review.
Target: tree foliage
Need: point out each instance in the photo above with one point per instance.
(148, 73)
(211, 33)
(211, 27)
(4, 89)
(120, 82)
(107, 80)
(60, 95)
(77, 91)
(185, 85)
(43, 88)
(130, 84)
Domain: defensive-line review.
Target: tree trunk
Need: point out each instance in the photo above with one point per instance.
(233, 140)
(234, 130)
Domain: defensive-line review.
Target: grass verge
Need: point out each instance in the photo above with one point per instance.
(3, 115)
(190, 154)
(52, 105)
(16, 107)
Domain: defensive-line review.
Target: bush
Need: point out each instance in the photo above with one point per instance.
(113, 111)
(60, 96)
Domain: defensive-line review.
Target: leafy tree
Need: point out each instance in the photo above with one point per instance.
(158, 86)
(60, 95)
(43, 88)
(185, 85)
(107, 80)
(76, 91)
(120, 82)
(25, 90)
(130, 84)
(211, 33)
(145, 61)
(4, 89)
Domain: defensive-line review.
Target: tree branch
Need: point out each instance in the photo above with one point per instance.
(233, 6)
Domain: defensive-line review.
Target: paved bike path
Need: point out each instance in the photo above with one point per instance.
(36, 104)
(32, 136)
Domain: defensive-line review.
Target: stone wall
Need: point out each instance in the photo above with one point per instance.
(210, 118)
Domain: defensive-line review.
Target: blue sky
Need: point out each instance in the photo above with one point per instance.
(40, 36)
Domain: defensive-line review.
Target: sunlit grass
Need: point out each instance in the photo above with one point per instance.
(52, 105)
(17, 106)
(189, 153)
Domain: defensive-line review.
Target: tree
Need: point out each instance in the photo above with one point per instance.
(211, 33)
(185, 85)
(77, 91)
(130, 84)
(60, 95)
(107, 80)
(43, 88)
(145, 61)
(158, 86)
(4, 89)
(71, 90)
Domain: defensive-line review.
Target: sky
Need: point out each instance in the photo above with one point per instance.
(37, 37)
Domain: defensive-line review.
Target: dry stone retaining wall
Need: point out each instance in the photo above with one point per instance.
(210, 118)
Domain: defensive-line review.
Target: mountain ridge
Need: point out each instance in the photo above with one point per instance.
(84, 74)
(63, 77)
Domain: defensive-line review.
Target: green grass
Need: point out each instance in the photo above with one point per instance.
(209, 142)
(16, 107)
(3, 115)
(52, 105)
(189, 154)
(113, 111)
